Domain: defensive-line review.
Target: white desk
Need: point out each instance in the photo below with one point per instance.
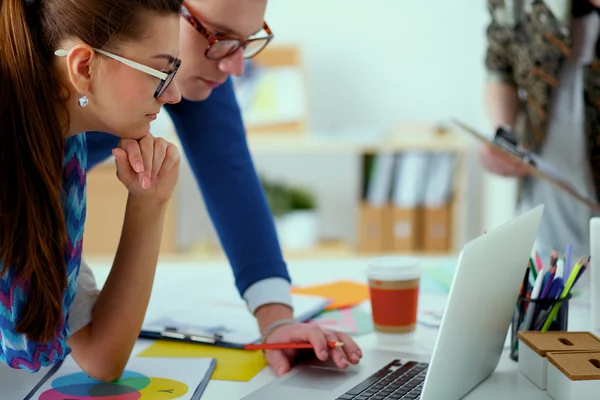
(505, 382)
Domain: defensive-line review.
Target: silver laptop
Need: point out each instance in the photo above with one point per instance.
(469, 343)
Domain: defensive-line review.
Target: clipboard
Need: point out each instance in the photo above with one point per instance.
(506, 141)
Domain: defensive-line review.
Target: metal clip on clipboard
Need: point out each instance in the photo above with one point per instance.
(172, 333)
(507, 139)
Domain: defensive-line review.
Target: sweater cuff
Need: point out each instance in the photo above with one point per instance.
(268, 291)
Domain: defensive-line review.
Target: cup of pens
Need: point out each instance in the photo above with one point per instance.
(543, 302)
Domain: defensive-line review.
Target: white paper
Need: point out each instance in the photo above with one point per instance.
(215, 308)
(217, 312)
(144, 378)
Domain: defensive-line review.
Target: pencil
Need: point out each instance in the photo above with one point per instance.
(282, 346)
(553, 258)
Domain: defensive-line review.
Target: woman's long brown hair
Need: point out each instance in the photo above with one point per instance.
(33, 236)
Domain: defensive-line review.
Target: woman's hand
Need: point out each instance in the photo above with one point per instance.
(281, 360)
(149, 168)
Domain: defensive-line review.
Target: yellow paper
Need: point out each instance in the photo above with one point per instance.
(232, 364)
(342, 293)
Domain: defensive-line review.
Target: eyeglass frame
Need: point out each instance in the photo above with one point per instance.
(163, 76)
(213, 38)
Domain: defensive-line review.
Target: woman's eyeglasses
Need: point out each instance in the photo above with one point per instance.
(165, 77)
(222, 46)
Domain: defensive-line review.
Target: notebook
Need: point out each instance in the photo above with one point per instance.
(151, 378)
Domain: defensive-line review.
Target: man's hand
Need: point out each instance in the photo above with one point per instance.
(281, 360)
(498, 163)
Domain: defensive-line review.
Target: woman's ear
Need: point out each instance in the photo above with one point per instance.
(79, 66)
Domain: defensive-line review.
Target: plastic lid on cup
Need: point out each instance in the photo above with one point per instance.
(392, 268)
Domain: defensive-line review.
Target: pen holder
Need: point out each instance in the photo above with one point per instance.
(532, 314)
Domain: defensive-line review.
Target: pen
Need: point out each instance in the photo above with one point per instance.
(581, 271)
(548, 282)
(553, 293)
(568, 260)
(553, 258)
(281, 346)
(168, 334)
(538, 264)
(567, 288)
(535, 292)
(538, 260)
(531, 264)
(545, 288)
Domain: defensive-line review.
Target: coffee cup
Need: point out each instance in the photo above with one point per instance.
(394, 292)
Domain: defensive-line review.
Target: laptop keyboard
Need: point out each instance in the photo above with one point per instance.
(395, 381)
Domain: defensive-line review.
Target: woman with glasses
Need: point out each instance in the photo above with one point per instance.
(217, 36)
(66, 67)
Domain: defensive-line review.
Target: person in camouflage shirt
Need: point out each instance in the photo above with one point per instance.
(544, 80)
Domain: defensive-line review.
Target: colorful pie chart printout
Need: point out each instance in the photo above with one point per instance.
(143, 379)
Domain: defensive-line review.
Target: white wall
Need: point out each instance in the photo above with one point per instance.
(372, 64)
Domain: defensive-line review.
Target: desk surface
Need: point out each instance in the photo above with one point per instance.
(504, 382)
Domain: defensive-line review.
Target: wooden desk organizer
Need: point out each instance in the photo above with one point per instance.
(534, 345)
(573, 375)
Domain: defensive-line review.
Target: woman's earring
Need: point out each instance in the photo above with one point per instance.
(83, 100)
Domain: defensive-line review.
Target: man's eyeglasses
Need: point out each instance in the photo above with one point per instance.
(165, 77)
(222, 46)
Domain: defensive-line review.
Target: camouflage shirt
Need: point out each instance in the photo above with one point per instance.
(528, 42)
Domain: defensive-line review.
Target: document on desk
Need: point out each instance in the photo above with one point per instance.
(232, 364)
(535, 165)
(143, 378)
(217, 309)
(342, 294)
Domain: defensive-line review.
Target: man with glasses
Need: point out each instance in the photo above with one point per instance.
(217, 36)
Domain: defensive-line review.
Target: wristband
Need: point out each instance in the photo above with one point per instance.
(274, 325)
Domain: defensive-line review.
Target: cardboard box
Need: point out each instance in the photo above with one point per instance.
(406, 225)
(437, 229)
(375, 228)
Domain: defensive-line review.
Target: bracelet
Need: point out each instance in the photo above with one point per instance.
(274, 325)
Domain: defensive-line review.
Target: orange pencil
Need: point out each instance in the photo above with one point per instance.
(282, 346)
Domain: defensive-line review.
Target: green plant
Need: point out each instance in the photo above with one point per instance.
(301, 199)
(284, 198)
(277, 197)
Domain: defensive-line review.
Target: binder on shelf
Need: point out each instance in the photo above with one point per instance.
(407, 202)
(407, 199)
(437, 208)
(375, 213)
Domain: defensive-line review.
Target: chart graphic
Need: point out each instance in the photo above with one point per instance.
(131, 386)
